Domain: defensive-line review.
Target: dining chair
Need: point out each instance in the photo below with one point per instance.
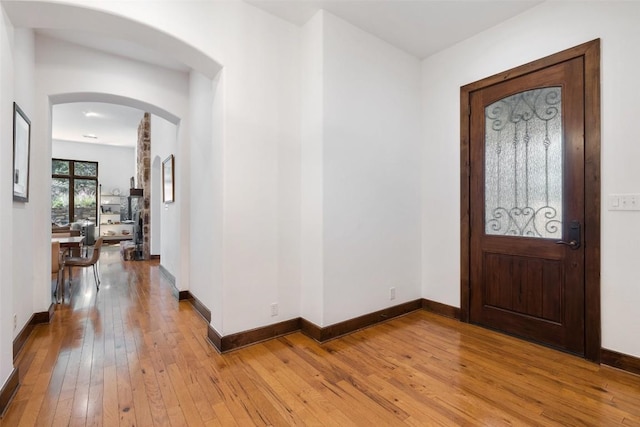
(57, 268)
(87, 262)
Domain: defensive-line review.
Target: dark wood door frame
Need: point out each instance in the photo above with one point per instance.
(590, 52)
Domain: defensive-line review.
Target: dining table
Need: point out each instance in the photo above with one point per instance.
(68, 243)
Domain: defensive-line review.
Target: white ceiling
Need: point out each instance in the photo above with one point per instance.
(111, 124)
(419, 27)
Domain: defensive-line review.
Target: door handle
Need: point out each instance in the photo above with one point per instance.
(572, 244)
(574, 236)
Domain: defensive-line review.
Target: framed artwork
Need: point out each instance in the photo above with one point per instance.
(21, 151)
(168, 180)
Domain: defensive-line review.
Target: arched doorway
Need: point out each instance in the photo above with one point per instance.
(118, 160)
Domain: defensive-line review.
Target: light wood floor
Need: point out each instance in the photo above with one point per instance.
(133, 355)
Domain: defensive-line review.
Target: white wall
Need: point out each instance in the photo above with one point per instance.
(546, 29)
(312, 228)
(360, 172)
(164, 142)
(261, 130)
(371, 173)
(6, 193)
(207, 177)
(155, 240)
(24, 213)
(115, 163)
(216, 287)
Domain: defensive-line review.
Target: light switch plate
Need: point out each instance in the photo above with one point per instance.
(624, 202)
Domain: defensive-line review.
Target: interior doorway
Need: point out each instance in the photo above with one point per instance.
(105, 129)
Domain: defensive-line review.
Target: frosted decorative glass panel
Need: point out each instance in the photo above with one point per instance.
(523, 164)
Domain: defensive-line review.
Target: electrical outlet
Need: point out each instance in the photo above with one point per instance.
(392, 293)
(274, 309)
(15, 322)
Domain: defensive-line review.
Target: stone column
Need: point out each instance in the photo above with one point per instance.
(144, 179)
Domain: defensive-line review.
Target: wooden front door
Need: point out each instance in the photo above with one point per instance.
(527, 210)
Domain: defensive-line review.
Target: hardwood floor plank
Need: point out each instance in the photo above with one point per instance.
(309, 382)
(352, 385)
(126, 408)
(139, 391)
(267, 368)
(419, 412)
(131, 354)
(244, 411)
(96, 384)
(110, 410)
(188, 406)
(171, 402)
(153, 394)
(13, 416)
(224, 417)
(274, 411)
(46, 411)
(62, 416)
(295, 378)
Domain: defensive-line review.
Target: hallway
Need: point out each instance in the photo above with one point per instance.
(133, 355)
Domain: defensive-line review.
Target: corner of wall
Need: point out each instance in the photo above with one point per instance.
(311, 175)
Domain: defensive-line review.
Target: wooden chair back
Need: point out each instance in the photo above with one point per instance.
(96, 251)
(55, 257)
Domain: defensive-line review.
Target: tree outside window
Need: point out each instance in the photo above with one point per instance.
(74, 191)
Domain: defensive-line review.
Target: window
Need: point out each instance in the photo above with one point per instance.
(74, 194)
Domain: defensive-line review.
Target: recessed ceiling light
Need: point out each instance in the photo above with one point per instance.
(90, 135)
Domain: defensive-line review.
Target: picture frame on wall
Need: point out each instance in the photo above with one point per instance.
(168, 180)
(21, 154)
